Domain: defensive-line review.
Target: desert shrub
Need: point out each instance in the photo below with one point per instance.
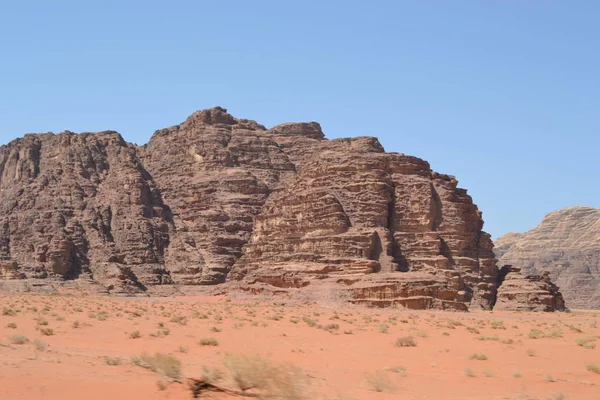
(135, 335)
(40, 345)
(593, 368)
(587, 343)
(406, 341)
(211, 374)
(331, 327)
(248, 371)
(279, 381)
(112, 361)
(12, 325)
(379, 381)
(478, 356)
(18, 339)
(163, 364)
(209, 342)
(178, 319)
(498, 325)
(538, 334)
(47, 331)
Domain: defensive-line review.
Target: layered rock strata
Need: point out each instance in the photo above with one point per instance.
(218, 199)
(566, 245)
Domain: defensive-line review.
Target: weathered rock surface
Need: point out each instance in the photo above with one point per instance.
(216, 199)
(527, 293)
(566, 245)
(80, 206)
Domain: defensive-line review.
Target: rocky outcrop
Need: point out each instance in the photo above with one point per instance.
(217, 199)
(567, 246)
(352, 210)
(81, 206)
(215, 173)
(518, 292)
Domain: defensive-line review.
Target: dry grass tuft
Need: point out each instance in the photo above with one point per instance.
(164, 364)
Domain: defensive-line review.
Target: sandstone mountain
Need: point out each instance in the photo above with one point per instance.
(280, 211)
(566, 245)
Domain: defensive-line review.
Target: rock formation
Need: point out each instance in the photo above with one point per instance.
(218, 199)
(81, 206)
(527, 293)
(566, 245)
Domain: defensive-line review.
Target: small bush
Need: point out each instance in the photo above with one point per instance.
(209, 342)
(477, 356)
(47, 331)
(379, 381)
(406, 341)
(40, 345)
(248, 371)
(113, 361)
(309, 321)
(469, 373)
(164, 364)
(593, 368)
(586, 343)
(211, 374)
(135, 335)
(383, 328)
(517, 374)
(498, 325)
(18, 339)
(179, 320)
(12, 325)
(280, 381)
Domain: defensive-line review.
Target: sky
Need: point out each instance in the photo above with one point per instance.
(502, 94)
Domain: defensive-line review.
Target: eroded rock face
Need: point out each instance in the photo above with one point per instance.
(81, 206)
(215, 173)
(566, 245)
(216, 199)
(518, 292)
(353, 210)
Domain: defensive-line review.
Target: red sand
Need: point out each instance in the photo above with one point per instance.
(336, 361)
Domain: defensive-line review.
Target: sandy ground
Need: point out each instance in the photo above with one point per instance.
(348, 353)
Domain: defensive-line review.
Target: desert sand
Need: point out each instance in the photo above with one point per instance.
(75, 346)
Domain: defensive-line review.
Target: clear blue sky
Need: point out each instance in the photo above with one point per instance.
(505, 95)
